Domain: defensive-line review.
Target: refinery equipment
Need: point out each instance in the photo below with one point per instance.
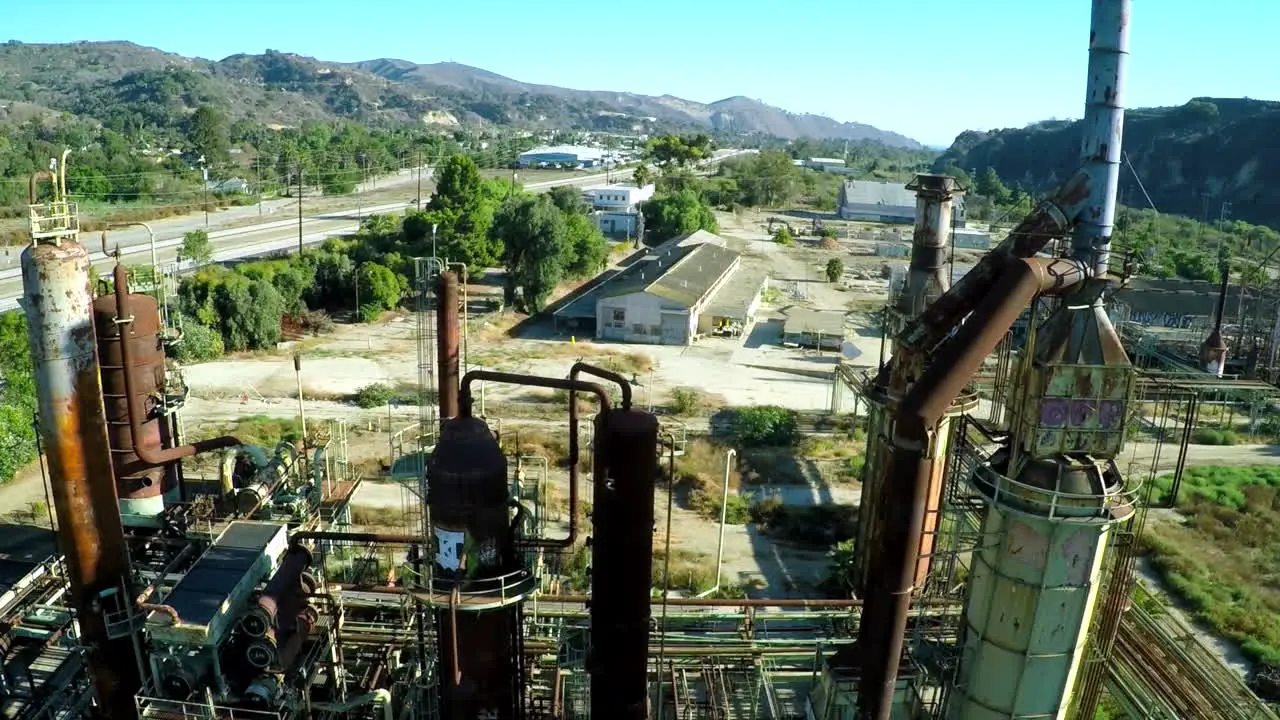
(241, 592)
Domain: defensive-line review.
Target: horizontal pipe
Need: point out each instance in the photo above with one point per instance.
(588, 369)
(359, 537)
(147, 454)
(675, 602)
(903, 503)
(572, 385)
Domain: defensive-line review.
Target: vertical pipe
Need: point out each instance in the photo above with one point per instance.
(73, 429)
(447, 343)
(1103, 129)
(622, 545)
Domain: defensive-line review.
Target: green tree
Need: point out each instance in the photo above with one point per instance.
(88, 182)
(196, 248)
(667, 215)
(379, 286)
(462, 208)
(207, 133)
(642, 175)
(677, 151)
(587, 246)
(536, 250)
(17, 396)
(835, 269)
(569, 199)
(250, 313)
(991, 186)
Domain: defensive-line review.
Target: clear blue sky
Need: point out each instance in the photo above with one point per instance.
(926, 68)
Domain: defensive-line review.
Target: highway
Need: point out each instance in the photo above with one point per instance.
(262, 238)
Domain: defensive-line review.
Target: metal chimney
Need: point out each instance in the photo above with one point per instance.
(1103, 130)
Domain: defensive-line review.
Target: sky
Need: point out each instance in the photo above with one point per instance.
(928, 69)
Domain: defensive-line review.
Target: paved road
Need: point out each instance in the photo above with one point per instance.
(270, 236)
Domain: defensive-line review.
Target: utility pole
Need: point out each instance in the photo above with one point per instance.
(299, 208)
(364, 182)
(204, 190)
(418, 202)
(433, 240)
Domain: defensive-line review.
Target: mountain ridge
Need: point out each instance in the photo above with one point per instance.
(1210, 157)
(89, 78)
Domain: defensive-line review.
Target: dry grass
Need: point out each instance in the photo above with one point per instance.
(692, 402)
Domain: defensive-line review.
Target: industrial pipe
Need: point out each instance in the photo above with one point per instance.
(169, 569)
(447, 343)
(1102, 131)
(145, 454)
(1049, 221)
(72, 424)
(465, 405)
(287, 580)
(903, 502)
(581, 368)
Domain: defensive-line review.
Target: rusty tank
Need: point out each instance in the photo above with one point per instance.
(139, 486)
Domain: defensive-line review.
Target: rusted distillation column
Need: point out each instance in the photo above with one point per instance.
(479, 581)
(447, 343)
(626, 468)
(1213, 351)
(58, 304)
(133, 379)
(926, 281)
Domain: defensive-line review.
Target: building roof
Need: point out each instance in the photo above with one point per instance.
(692, 278)
(802, 321)
(870, 192)
(628, 280)
(734, 299)
(580, 151)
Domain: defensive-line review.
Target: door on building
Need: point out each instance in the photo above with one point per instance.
(675, 328)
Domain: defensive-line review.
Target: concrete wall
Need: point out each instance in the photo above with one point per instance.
(659, 322)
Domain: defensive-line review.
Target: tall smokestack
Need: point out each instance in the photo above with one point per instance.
(73, 427)
(447, 343)
(926, 279)
(1103, 129)
(1213, 352)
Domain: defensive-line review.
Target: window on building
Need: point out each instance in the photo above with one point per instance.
(639, 329)
(619, 316)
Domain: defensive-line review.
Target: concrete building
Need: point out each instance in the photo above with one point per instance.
(686, 288)
(617, 207)
(562, 156)
(822, 329)
(884, 202)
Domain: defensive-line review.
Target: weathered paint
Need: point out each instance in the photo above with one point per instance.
(1103, 130)
(1032, 588)
(139, 486)
(1073, 409)
(72, 424)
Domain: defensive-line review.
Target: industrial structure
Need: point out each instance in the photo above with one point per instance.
(884, 202)
(236, 588)
(688, 287)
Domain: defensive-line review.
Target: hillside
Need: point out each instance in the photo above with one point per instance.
(1192, 157)
(126, 85)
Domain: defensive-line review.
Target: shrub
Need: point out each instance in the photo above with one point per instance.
(783, 236)
(1210, 436)
(200, 343)
(373, 395)
(835, 269)
(316, 322)
(764, 426)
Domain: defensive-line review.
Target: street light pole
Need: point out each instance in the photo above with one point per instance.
(418, 202)
(724, 510)
(433, 239)
(299, 208)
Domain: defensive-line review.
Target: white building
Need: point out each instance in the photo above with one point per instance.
(562, 156)
(617, 207)
(682, 290)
